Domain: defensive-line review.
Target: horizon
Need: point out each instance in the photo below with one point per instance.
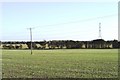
(57, 40)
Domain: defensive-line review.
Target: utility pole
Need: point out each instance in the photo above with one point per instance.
(100, 31)
(31, 40)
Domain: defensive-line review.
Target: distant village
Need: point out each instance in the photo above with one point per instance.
(62, 44)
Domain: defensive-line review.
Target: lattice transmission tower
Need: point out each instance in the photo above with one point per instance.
(100, 35)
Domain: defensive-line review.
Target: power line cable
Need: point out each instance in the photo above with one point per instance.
(78, 21)
(107, 16)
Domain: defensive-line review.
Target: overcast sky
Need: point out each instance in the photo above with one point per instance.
(59, 20)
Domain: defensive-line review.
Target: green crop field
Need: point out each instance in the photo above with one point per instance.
(64, 63)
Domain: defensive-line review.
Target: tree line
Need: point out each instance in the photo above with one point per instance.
(61, 44)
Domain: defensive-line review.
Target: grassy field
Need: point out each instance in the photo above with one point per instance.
(67, 63)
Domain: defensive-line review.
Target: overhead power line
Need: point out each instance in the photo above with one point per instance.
(78, 21)
(107, 16)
